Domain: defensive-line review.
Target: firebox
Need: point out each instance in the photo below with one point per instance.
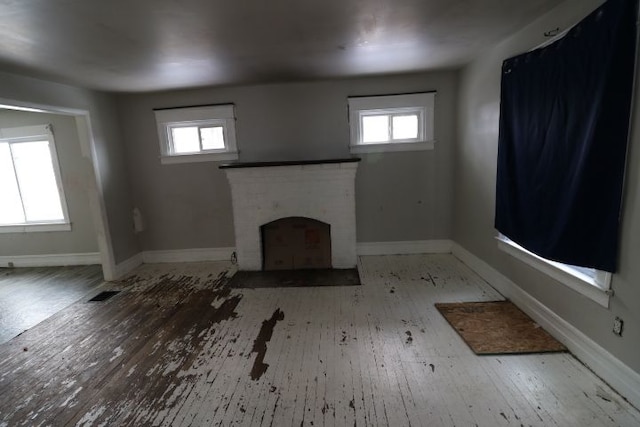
(294, 243)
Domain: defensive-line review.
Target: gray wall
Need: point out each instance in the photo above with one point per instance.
(400, 196)
(475, 197)
(75, 171)
(108, 144)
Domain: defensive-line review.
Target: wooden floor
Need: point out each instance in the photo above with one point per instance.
(179, 348)
(30, 295)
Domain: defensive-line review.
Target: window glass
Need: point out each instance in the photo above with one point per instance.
(212, 138)
(37, 180)
(375, 129)
(405, 127)
(185, 140)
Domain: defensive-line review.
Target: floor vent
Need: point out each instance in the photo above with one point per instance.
(102, 296)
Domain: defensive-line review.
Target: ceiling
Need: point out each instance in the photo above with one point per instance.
(148, 45)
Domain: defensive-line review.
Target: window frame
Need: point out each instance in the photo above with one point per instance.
(20, 134)
(201, 116)
(597, 287)
(421, 104)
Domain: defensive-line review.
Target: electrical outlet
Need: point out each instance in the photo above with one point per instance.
(617, 326)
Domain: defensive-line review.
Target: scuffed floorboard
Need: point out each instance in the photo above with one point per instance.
(178, 347)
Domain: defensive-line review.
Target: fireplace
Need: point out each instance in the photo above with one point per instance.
(322, 192)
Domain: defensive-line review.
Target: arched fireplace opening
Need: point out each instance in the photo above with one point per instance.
(294, 243)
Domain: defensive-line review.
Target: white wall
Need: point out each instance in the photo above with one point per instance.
(399, 196)
(75, 171)
(474, 201)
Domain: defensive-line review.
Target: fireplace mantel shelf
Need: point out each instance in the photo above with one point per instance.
(236, 165)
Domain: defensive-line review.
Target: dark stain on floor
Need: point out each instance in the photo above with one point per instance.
(409, 337)
(260, 344)
(429, 278)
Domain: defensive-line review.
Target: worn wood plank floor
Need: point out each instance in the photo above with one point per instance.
(30, 295)
(179, 348)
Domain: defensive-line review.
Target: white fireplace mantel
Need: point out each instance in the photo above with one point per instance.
(321, 190)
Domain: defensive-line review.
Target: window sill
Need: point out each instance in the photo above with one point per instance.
(35, 228)
(574, 280)
(199, 157)
(393, 146)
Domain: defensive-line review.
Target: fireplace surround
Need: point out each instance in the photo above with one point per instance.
(322, 190)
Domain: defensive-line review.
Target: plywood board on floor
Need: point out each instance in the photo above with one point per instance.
(498, 327)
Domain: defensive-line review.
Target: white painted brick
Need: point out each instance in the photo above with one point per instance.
(325, 192)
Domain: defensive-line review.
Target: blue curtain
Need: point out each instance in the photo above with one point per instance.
(564, 120)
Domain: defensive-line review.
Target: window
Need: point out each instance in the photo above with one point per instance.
(196, 134)
(392, 122)
(592, 283)
(30, 186)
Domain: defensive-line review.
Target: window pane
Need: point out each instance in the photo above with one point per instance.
(185, 140)
(212, 138)
(34, 169)
(405, 127)
(11, 210)
(375, 129)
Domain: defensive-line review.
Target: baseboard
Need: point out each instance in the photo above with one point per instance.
(50, 260)
(188, 255)
(618, 375)
(126, 267)
(404, 248)
(366, 248)
(178, 255)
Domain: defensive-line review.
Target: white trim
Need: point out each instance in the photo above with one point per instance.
(365, 248)
(621, 377)
(582, 285)
(50, 260)
(25, 109)
(35, 227)
(188, 255)
(404, 247)
(177, 255)
(199, 157)
(393, 146)
(127, 266)
(53, 150)
(28, 133)
(96, 196)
